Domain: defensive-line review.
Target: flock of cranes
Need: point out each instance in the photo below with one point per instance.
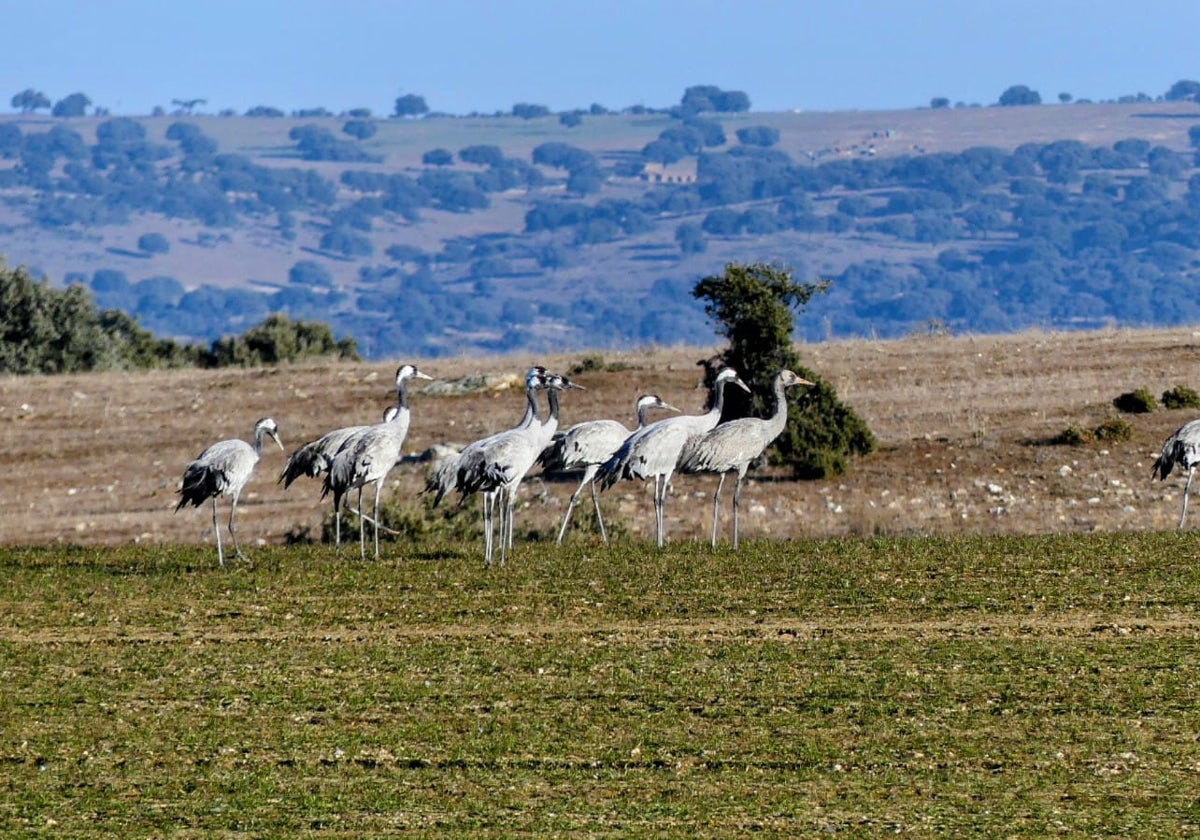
(606, 451)
(348, 459)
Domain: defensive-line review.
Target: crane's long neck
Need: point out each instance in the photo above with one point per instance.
(531, 409)
(718, 403)
(778, 418)
(642, 411)
(402, 395)
(258, 439)
(551, 424)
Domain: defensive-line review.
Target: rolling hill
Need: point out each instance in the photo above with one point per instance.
(535, 235)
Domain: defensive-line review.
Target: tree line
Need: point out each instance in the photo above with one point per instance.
(44, 330)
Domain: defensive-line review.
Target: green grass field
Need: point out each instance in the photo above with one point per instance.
(1022, 686)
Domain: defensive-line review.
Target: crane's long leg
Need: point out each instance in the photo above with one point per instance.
(233, 526)
(487, 528)
(571, 506)
(362, 527)
(599, 518)
(717, 508)
(217, 531)
(658, 508)
(378, 490)
(1186, 488)
(737, 504)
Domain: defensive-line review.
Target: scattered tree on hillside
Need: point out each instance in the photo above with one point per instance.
(360, 129)
(700, 98)
(410, 105)
(30, 100)
(74, 105)
(939, 102)
(753, 306)
(530, 111)
(1184, 89)
(187, 106)
(153, 243)
(1020, 95)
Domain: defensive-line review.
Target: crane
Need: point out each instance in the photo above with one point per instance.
(444, 476)
(314, 458)
(653, 451)
(502, 464)
(223, 470)
(732, 445)
(372, 457)
(1183, 448)
(588, 445)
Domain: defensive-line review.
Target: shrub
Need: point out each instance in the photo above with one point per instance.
(1181, 396)
(1073, 436)
(1140, 401)
(1114, 429)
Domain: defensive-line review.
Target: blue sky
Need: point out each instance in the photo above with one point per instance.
(470, 55)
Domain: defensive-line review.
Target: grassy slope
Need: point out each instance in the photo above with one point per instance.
(965, 686)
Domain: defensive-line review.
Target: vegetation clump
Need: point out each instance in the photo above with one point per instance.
(1181, 396)
(1140, 401)
(1114, 429)
(1073, 436)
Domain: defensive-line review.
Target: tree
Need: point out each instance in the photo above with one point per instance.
(437, 157)
(30, 100)
(153, 243)
(410, 105)
(360, 129)
(74, 105)
(752, 306)
(939, 102)
(1182, 90)
(570, 119)
(530, 111)
(1065, 98)
(690, 237)
(758, 135)
(1020, 95)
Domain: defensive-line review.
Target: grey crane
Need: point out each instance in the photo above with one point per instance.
(504, 461)
(372, 457)
(313, 458)
(731, 446)
(653, 451)
(443, 477)
(1182, 448)
(588, 445)
(451, 472)
(223, 470)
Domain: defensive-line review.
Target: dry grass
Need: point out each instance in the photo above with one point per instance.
(962, 424)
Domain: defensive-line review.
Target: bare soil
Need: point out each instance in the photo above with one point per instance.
(963, 423)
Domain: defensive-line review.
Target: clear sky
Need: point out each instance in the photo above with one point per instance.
(471, 55)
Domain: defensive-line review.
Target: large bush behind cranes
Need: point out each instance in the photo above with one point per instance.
(753, 305)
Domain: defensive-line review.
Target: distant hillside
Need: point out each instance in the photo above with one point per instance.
(450, 234)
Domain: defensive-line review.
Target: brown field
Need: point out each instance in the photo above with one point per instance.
(962, 424)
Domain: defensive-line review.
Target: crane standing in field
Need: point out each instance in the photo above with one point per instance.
(223, 470)
(444, 476)
(1181, 448)
(372, 457)
(315, 457)
(502, 464)
(731, 446)
(588, 445)
(653, 451)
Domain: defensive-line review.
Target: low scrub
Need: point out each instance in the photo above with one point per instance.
(1181, 396)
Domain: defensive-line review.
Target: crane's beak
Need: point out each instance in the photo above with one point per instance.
(802, 381)
(420, 375)
(741, 384)
(666, 406)
(275, 435)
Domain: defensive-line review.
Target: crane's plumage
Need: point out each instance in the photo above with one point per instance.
(223, 470)
(589, 444)
(653, 451)
(1182, 448)
(372, 456)
(731, 446)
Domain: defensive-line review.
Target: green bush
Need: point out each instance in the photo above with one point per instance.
(1073, 436)
(1181, 396)
(1114, 429)
(1140, 401)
